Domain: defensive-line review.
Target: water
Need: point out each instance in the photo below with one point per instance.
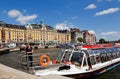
(12, 60)
(112, 74)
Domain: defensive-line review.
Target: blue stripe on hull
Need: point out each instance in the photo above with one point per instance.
(107, 68)
(97, 72)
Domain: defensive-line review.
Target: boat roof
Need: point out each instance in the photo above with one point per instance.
(96, 51)
(102, 51)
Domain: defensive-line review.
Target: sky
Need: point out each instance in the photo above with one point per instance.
(101, 17)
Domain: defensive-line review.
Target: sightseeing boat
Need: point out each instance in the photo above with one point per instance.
(85, 62)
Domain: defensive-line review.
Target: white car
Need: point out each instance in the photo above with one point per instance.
(12, 45)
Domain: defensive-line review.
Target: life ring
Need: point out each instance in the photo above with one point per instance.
(44, 60)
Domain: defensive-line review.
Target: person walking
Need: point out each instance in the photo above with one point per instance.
(29, 52)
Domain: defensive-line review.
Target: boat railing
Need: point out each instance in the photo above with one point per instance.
(36, 65)
(25, 62)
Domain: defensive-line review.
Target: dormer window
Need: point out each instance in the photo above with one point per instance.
(29, 26)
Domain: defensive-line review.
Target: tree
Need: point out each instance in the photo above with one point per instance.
(80, 39)
(102, 41)
(118, 41)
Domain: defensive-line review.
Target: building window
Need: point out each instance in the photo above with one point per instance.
(67, 37)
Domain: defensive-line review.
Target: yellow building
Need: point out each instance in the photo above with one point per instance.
(41, 33)
(33, 33)
(11, 33)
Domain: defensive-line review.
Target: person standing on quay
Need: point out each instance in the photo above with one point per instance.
(29, 52)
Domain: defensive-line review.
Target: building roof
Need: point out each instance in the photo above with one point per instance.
(15, 26)
(49, 27)
(35, 26)
(3, 24)
(31, 26)
(74, 30)
(62, 31)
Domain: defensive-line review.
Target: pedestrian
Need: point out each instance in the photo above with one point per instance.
(29, 52)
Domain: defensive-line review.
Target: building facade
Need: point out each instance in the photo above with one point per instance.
(88, 37)
(75, 34)
(32, 33)
(11, 33)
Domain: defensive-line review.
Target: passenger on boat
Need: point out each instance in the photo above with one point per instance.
(75, 47)
(89, 63)
(29, 52)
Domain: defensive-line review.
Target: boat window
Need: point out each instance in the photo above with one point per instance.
(116, 51)
(91, 52)
(103, 57)
(119, 52)
(92, 59)
(98, 58)
(109, 56)
(77, 57)
(107, 50)
(112, 50)
(114, 55)
(96, 52)
(119, 49)
(66, 56)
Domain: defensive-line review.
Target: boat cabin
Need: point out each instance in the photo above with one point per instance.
(84, 57)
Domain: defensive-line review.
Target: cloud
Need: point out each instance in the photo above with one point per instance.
(104, 37)
(108, 11)
(24, 19)
(91, 6)
(20, 17)
(64, 26)
(91, 31)
(74, 17)
(14, 13)
(109, 33)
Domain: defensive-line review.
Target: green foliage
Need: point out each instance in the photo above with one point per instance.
(102, 41)
(80, 39)
(118, 41)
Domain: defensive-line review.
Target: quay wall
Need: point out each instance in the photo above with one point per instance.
(10, 73)
(7, 50)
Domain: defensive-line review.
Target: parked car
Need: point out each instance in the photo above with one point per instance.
(12, 45)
